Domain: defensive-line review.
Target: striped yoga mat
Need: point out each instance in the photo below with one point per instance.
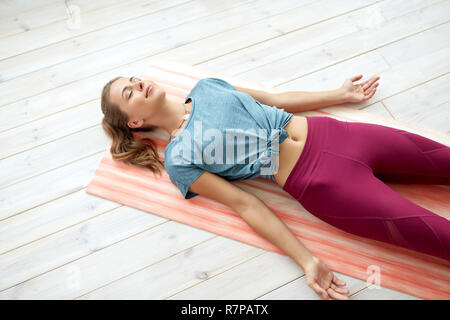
(400, 269)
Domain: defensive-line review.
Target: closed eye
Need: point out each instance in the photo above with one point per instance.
(132, 79)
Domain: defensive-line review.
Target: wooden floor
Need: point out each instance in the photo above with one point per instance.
(58, 242)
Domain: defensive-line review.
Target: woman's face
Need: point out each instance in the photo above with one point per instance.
(139, 99)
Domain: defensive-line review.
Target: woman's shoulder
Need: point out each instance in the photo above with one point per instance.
(215, 82)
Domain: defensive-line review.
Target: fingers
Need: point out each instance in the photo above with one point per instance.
(369, 94)
(335, 295)
(369, 84)
(336, 292)
(355, 78)
(339, 290)
(371, 88)
(320, 292)
(337, 281)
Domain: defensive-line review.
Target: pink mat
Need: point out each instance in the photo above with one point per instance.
(400, 269)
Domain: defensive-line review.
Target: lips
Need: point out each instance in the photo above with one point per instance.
(149, 88)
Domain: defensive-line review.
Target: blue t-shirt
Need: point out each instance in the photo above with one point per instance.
(228, 133)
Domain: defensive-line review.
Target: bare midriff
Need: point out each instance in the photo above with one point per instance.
(291, 148)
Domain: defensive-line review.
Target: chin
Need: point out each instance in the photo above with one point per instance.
(158, 96)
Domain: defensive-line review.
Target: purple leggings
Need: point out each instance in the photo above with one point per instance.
(339, 179)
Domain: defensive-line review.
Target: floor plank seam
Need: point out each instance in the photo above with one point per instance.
(37, 174)
(220, 273)
(82, 34)
(86, 255)
(148, 266)
(125, 21)
(59, 230)
(351, 57)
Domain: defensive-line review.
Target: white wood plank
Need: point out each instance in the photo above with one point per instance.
(379, 109)
(295, 42)
(427, 104)
(23, 21)
(246, 281)
(430, 40)
(50, 128)
(89, 21)
(181, 271)
(132, 29)
(347, 47)
(333, 76)
(59, 182)
(55, 100)
(325, 77)
(293, 31)
(75, 242)
(100, 266)
(51, 217)
(14, 7)
(49, 156)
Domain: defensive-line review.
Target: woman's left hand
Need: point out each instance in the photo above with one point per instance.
(360, 92)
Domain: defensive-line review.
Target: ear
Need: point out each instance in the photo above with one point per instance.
(135, 123)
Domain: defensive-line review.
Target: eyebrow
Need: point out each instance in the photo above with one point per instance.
(126, 87)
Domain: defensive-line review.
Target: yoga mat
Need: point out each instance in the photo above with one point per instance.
(401, 269)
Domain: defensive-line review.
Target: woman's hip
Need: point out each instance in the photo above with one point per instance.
(309, 157)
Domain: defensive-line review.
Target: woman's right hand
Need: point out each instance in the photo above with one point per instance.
(320, 278)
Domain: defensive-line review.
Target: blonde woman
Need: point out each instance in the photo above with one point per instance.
(335, 169)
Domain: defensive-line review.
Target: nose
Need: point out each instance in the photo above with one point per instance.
(140, 85)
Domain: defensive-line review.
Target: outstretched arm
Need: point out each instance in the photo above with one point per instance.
(261, 219)
(266, 223)
(298, 101)
(318, 276)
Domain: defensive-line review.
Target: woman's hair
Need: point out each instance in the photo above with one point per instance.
(124, 147)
